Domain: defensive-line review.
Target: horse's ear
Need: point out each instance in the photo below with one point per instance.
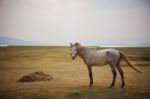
(70, 44)
(77, 44)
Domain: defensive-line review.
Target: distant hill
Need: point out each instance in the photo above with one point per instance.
(16, 41)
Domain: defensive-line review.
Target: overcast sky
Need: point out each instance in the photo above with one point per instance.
(91, 22)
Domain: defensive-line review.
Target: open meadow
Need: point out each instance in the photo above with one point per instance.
(70, 77)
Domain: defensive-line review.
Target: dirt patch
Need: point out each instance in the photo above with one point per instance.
(36, 76)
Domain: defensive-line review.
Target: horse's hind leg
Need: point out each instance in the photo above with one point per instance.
(122, 75)
(114, 75)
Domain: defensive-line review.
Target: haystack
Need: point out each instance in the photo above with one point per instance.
(36, 76)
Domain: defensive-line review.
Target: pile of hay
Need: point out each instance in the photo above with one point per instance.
(36, 76)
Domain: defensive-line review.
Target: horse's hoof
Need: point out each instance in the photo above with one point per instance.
(90, 85)
(111, 86)
(122, 86)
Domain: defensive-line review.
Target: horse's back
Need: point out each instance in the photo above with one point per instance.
(106, 51)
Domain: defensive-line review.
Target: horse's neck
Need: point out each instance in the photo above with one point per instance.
(82, 51)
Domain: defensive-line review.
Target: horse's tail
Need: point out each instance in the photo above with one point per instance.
(128, 62)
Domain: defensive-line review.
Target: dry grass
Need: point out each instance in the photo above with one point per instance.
(70, 77)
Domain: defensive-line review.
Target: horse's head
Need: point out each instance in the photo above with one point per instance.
(74, 50)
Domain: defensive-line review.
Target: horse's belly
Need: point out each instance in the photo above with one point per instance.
(99, 61)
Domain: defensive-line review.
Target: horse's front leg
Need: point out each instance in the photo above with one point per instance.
(90, 75)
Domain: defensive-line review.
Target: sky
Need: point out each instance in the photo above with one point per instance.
(90, 22)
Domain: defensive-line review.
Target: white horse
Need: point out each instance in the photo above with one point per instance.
(94, 57)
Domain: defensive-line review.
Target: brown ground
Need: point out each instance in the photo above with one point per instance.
(70, 77)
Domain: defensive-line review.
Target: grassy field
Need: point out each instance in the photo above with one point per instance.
(70, 77)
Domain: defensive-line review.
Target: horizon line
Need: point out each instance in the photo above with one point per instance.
(60, 45)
